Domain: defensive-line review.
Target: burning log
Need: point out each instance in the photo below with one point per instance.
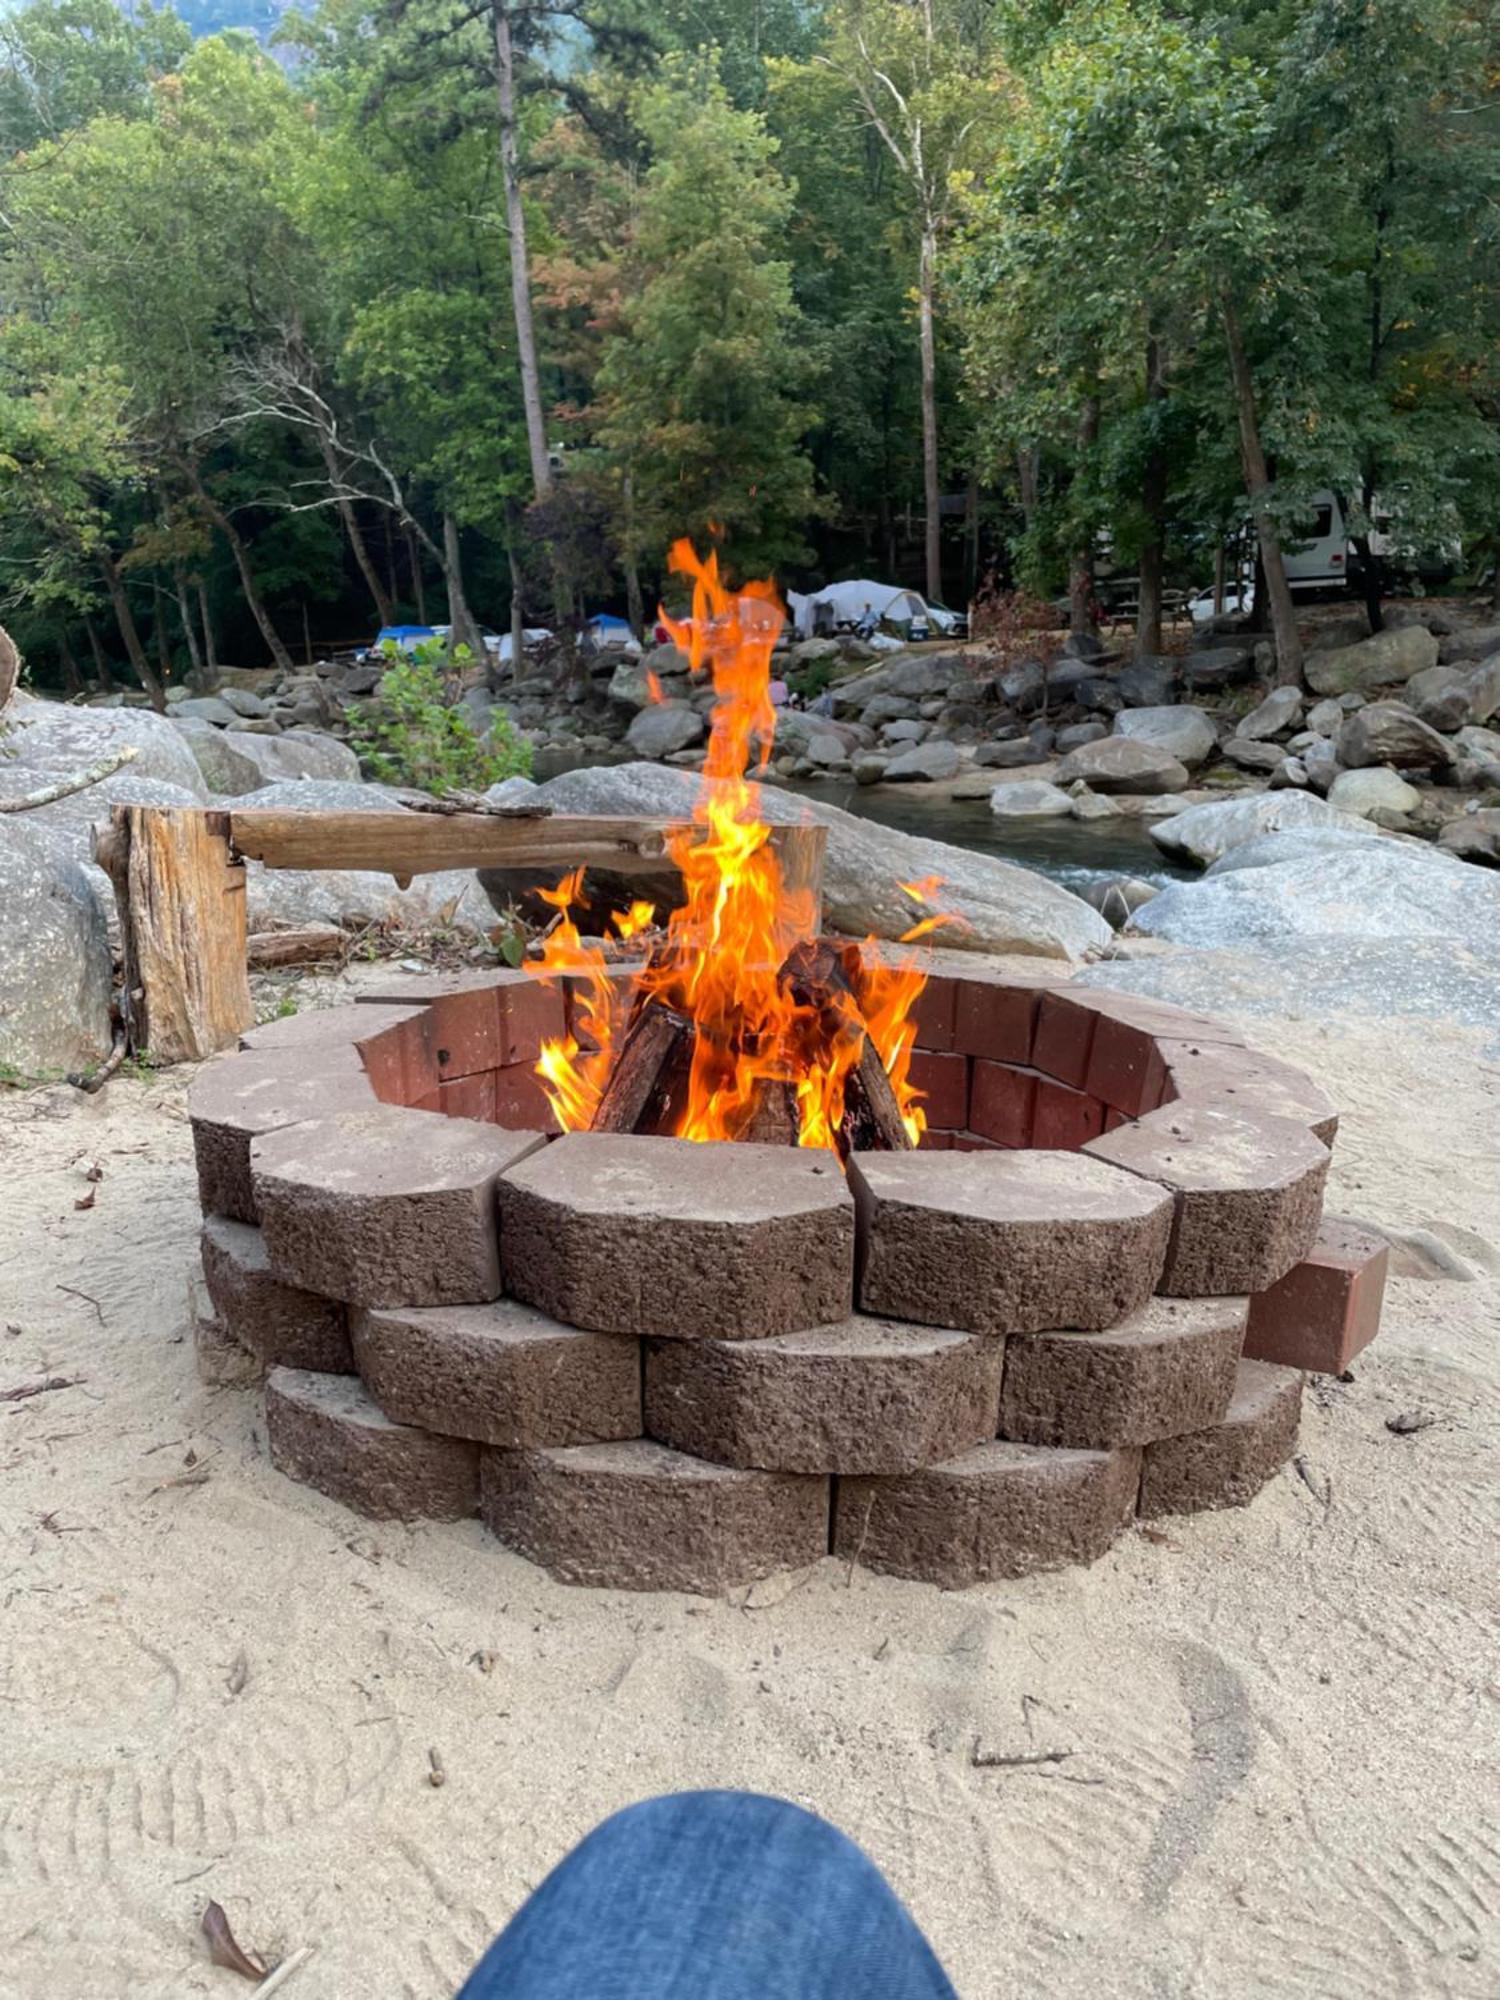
(657, 1047)
(817, 976)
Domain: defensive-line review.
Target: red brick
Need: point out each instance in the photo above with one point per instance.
(1125, 1072)
(1065, 1119)
(933, 1141)
(528, 1011)
(521, 1102)
(466, 1032)
(1002, 1103)
(995, 1020)
(971, 1142)
(1327, 1308)
(1073, 1018)
(1113, 1119)
(469, 1097)
(1064, 1037)
(400, 1057)
(944, 1083)
(934, 1013)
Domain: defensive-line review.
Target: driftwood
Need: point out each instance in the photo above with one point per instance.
(76, 781)
(307, 944)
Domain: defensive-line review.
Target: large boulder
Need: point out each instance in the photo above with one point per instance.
(225, 768)
(924, 762)
(1374, 794)
(1440, 696)
(631, 682)
(295, 755)
(1469, 642)
(1022, 686)
(1253, 756)
(1004, 908)
(1391, 889)
(1148, 680)
(48, 738)
(207, 708)
(1474, 836)
(1122, 764)
(54, 959)
(1184, 732)
(1219, 667)
(1280, 711)
(1384, 660)
(1483, 685)
(1030, 798)
(1203, 833)
(1296, 843)
(666, 726)
(1387, 732)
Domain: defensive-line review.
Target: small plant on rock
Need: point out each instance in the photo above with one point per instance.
(410, 734)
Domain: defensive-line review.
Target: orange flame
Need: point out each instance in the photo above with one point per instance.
(729, 939)
(654, 686)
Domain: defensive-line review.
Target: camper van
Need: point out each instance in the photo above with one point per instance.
(1325, 559)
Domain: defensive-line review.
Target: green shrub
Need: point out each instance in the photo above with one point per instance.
(409, 733)
(812, 680)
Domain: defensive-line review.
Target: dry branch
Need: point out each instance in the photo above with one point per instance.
(76, 781)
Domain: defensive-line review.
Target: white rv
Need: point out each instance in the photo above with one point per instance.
(1324, 558)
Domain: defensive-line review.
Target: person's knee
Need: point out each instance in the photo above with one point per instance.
(708, 1813)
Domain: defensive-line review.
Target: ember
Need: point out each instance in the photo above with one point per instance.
(741, 1023)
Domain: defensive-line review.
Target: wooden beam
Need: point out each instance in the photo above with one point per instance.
(182, 919)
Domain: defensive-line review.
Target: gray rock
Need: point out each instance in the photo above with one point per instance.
(665, 727)
(225, 769)
(1484, 690)
(1023, 685)
(245, 701)
(1120, 764)
(1253, 756)
(1012, 755)
(1006, 908)
(54, 740)
(1279, 712)
(1077, 734)
(1334, 635)
(1321, 762)
(1148, 681)
(1482, 744)
(1205, 832)
(629, 685)
(1387, 658)
(1325, 717)
(1219, 667)
(1120, 897)
(1030, 798)
(55, 962)
(904, 730)
(882, 708)
(1394, 890)
(869, 767)
(1183, 731)
(1374, 793)
(1290, 775)
(1474, 836)
(923, 762)
(207, 708)
(1387, 732)
(1296, 843)
(920, 675)
(296, 754)
(826, 749)
(1440, 696)
(1090, 805)
(1469, 642)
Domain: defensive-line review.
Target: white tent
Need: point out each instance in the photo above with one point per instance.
(850, 601)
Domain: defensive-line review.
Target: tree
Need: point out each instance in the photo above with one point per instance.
(63, 62)
(702, 390)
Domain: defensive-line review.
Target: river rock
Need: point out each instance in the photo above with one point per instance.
(1023, 686)
(207, 708)
(245, 701)
(50, 739)
(1374, 794)
(664, 727)
(1469, 642)
(225, 769)
(883, 708)
(1440, 696)
(1484, 690)
(1091, 805)
(1387, 732)
(1148, 681)
(295, 756)
(1005, 908)
(869, 767)
(1320, 761)
(1290, 775)
(905, 729)
(1011, 755)
(55, 959)
(1474, 836)
(1077, 734)
(1325, 718)
(1480, 745)
(924, 762)
(1184, 732)
(1218, 667)
(1280, 711)
(1251, 756)
(1296, 843)
(1203, 833)
(1381, 661)
(1393, 889)
(1029, 798)
(1121, 764)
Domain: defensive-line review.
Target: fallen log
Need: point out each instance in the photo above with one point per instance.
(310, 944)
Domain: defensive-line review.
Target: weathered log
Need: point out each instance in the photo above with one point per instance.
(642, 1068)
(774, 1121)
(308, 944)
(817, 976)
(872, 1116)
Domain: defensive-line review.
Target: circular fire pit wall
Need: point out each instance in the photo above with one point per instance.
(649, 1364)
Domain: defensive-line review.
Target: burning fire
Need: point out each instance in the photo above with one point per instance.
(722, 966)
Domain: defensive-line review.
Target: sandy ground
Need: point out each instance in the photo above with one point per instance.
(1280, 1724)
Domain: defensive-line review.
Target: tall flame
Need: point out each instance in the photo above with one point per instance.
(729, 939)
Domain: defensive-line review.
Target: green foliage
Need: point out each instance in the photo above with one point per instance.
(409, 734)
(812, 680)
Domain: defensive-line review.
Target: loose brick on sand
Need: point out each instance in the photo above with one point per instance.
(864, 1395)
(1227, 1465)
(1327, 1308)
(1168, 1369)
(1001, 1510)
(283, 1325)
(325, 1431)
(1248, 1189)
(501, 1373)
(234, 1100)
(642, 1517)
(388, 1207)
(627, 1234)
(1001, 1242)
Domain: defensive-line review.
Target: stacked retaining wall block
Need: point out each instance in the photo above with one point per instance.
(647, 1364)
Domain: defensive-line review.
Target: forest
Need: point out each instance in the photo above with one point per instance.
(464, 309)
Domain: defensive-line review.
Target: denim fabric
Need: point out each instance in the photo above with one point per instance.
(712, 1896)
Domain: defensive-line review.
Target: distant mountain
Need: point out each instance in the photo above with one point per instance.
(211, 17)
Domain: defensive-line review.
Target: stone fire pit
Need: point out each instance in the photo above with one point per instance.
(651, 1364)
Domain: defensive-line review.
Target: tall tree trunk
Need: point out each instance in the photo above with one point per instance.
(101, 665)
(1257, 486)
(353, 530)
(635, 610)
(931, 496)
(72, 679)
(210, 647)
(520, 265)
(135, 652)
(1154, 502)
(279, 654)
(971, 538)
(159, 620)
(1027, 481)
(1369, 563)
(414, 557)
(1081, 619)
(189, 630)
(390, 556)
(463, 630)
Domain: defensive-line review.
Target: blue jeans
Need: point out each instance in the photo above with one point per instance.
(711, 1896)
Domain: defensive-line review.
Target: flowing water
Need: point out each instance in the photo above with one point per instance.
(1076, 853)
